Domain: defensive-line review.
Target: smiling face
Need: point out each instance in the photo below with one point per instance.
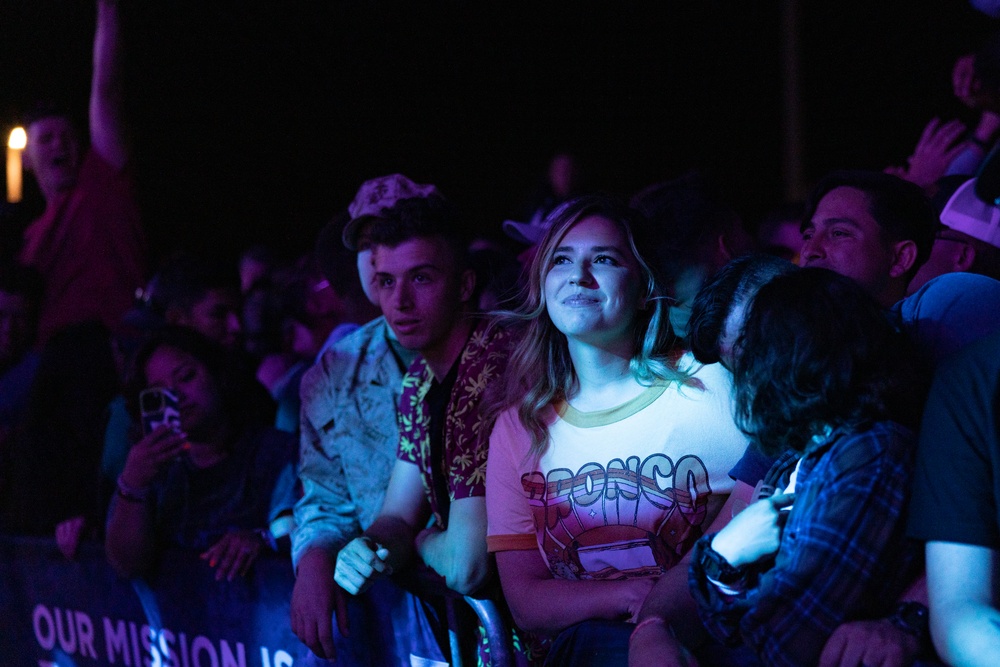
(844, 236)
(53, 154)
(188, 378)
(593, 288)
(421, 293)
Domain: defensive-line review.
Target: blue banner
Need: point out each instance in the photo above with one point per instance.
(59, 612)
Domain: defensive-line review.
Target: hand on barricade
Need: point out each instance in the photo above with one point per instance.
(315, 599)
(68, 535)
(234, 554)
(360, 563)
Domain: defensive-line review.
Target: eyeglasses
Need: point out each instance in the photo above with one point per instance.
(943, 236)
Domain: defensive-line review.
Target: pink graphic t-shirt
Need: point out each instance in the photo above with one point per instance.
(623, 492)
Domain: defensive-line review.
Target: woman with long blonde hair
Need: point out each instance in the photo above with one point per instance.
(611, 453)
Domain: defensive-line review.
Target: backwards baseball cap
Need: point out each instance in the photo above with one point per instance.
(967, 213)
(375, 196)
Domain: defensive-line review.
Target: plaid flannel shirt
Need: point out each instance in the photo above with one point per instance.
(843, 556)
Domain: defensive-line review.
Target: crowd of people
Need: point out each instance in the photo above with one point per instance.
(650, 432)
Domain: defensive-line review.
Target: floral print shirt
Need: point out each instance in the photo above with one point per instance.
(464, 460)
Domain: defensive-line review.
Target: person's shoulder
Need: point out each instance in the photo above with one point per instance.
(365, 336)
(881, 442)
(508, 420)
(950, 289)
(510, 434)
(367, 340)
(949, 312)
(974, 370)
(704, 378)
(489, 338)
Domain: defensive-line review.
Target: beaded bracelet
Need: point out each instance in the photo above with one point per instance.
(131, 494)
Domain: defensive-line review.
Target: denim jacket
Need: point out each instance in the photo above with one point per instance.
(349, 438)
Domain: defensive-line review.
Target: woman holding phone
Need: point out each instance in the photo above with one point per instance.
(212, 484)
(612, 451)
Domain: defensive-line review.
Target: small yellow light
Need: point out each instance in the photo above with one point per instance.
(18, 139)
(15, 144)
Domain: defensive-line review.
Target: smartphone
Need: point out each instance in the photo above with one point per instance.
(158, 405)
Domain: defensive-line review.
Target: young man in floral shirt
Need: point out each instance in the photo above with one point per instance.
(425, 288)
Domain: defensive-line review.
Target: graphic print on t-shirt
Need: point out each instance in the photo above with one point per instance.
(626, 518)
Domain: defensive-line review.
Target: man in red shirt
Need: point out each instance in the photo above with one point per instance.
(88, 244)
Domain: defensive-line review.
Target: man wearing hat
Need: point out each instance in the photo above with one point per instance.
(958, 301)
(968, 239)
(348, 450)
(879, 230)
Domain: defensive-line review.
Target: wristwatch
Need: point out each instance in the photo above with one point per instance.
(718, 569)
(913, 618)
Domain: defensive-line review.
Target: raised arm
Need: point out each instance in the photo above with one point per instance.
(107, 124)
(965, 621)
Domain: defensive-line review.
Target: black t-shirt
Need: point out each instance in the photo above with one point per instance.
(957, 486)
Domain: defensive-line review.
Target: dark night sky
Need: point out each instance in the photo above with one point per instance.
(256, 121)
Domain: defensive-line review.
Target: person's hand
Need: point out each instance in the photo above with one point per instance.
(654, 644)
(753, 533)
(68, 534)
(360, 563)
(315, 598)
(871, 644)
(148, 456)
(234, 554)
(963, 80)
(937, 148)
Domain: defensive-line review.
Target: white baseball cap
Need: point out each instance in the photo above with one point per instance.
(967, 213)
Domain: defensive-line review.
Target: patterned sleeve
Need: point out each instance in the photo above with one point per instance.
(325, 515)
(482, 362)
(412, 417)
(842, 551)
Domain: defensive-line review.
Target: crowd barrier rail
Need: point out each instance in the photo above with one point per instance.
(81, 613)
(54, 611)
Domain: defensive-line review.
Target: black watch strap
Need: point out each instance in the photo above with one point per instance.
(913, 618)
(718, 569)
